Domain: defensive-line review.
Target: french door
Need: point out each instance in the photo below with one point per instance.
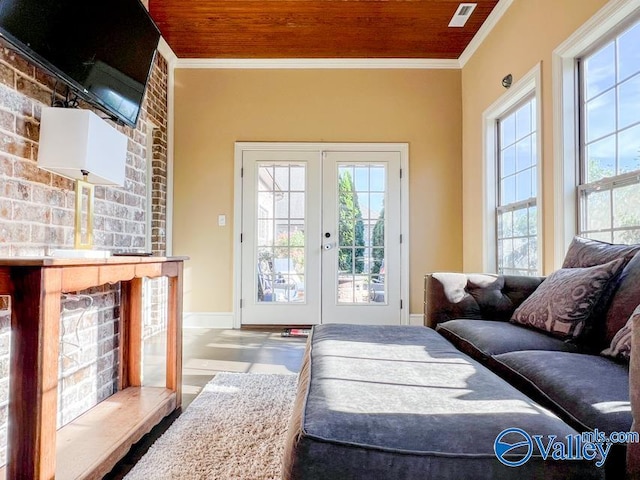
(320, 235)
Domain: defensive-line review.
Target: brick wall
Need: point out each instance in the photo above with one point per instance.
(155, 313)
(88, 367)
(157, 112)
(36, 207)
(36, 215)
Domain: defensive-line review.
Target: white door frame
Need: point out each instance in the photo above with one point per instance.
(402, 148)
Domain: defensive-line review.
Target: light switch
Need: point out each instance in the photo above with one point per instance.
(222, 220)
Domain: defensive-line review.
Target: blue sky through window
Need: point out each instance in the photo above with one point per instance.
(612, 107)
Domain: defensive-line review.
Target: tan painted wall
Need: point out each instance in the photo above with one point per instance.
(215, 108)
(527, 34)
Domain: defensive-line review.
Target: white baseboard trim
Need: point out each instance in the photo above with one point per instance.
(225, 319)
(207, 320)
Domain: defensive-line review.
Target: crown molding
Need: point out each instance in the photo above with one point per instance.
(603, 21)
(484, 31)
(165, 50)
(317, 63)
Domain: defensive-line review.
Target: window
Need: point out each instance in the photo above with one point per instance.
(517, 185)
(512, 238)
(609, 177)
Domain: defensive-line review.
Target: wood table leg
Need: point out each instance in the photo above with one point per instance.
(131, 333)
(174, 335)
(33, 400)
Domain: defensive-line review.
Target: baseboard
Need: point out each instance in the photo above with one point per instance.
(225, 320)
(207, 320)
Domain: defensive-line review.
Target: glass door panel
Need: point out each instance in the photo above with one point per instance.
(361, 248)
(280, 228)
(281, 238)
(361, 227)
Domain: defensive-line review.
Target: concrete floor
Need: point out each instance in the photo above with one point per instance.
(205, 353)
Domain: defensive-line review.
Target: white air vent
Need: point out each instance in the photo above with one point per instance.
(462, 14)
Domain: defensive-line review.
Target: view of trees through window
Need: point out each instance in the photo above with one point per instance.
(609, 189)
(351, 227)
(517, 213)
(361, 231)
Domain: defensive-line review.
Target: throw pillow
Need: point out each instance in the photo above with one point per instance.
(606, 318)
(584, 252)
(620, 348)
(563, 303)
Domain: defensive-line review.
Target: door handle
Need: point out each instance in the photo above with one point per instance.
(327, 246)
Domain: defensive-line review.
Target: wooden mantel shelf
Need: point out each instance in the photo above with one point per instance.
(91, 445)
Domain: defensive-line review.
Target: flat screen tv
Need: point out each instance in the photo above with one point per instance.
(102, 49)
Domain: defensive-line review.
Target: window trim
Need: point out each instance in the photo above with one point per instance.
(529, 85)
(609, 20)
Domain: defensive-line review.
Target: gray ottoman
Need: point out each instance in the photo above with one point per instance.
(384, 402)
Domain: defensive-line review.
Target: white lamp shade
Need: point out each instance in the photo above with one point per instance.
(72, 140)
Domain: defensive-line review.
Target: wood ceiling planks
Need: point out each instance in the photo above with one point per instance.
(315, 28)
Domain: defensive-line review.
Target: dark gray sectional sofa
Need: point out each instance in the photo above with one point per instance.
(402, 402)
(569, 376)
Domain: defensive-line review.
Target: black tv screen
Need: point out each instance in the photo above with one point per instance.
(103, 49)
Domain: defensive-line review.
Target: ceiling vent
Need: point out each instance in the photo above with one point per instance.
(462, 14)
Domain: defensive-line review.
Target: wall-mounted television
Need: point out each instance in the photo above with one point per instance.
(102, 49)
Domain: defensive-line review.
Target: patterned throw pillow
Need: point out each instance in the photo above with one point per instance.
(620, 347)
(585, 252)
(563, 303)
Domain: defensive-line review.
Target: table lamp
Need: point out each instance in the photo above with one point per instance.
(79, 145)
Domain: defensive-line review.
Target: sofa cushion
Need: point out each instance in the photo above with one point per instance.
(585, 252)
(399, 403)
(563, 304)
(620, 348)
(484, 338)
(588, 391)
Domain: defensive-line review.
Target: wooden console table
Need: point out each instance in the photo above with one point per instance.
(92, 444)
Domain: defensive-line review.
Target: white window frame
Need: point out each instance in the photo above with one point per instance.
(617, 180)
(606, 22)
(525, 87)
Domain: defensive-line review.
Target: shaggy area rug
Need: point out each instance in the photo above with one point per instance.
(234, 429)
